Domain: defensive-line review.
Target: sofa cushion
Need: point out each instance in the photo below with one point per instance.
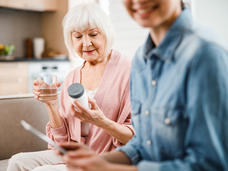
(3, 165)
(13, 137)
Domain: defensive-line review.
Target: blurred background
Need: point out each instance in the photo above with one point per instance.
(31, 39)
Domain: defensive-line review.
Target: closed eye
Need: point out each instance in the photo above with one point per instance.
(93, 34)
(78, 37)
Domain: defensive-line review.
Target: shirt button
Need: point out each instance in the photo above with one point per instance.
(153, 83)
(148, 142)
(167, 121)
(147, 112)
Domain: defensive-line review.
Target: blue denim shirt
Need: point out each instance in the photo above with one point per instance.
(179, 98)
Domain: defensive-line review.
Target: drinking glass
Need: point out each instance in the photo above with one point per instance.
(48, 88)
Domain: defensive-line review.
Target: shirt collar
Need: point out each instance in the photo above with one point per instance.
(165, 50)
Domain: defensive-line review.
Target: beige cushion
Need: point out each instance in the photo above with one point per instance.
(3, 165)
(13, 137)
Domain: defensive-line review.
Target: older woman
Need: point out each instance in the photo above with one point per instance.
(105, 77)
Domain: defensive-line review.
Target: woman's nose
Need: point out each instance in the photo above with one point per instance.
(86, 41)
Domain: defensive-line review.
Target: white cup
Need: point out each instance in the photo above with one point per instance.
(38, 47)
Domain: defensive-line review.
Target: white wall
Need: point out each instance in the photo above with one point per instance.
(128, 35)
(214, 15)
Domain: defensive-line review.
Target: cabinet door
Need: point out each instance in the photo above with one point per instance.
(35, 5)
(13, 78)
(3, 3)
(17, 4)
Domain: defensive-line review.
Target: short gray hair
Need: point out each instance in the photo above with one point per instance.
(82, 16)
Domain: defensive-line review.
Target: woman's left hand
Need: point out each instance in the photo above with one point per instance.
(93, 115)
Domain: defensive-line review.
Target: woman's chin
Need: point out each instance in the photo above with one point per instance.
(92, 61)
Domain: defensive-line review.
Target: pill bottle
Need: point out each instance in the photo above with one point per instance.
(77, 92)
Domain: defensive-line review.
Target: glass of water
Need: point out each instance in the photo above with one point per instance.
(48, 88)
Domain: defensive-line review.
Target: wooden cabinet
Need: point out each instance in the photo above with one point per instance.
(34, 5)
(14, 78)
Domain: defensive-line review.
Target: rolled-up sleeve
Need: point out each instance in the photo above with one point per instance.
(131, 149)
(58, 134)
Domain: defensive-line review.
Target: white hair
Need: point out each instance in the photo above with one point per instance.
(82, 16)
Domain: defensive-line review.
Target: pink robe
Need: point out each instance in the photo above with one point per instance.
(112, 97)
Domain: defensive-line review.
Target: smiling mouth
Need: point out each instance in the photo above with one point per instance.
(144, 13)
(88, 51)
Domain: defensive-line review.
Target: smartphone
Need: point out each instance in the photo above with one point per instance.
(28, 127)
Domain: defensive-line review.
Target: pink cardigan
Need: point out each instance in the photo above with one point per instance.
(112, 97)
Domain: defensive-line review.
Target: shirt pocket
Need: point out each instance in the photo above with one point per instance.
(168, 117)
(135, 113)
(170, 126)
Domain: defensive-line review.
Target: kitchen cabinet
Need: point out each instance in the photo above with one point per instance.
(34, 5)
(16, 77)
(13, 78)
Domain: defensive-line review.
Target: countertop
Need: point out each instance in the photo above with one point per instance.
(35, 60)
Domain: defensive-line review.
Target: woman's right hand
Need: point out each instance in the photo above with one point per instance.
(36, 90)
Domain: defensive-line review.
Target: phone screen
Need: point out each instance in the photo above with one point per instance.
(28, 127)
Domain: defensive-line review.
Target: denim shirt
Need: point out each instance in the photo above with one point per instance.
(179, 98)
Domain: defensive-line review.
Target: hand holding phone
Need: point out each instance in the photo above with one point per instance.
(28, 127)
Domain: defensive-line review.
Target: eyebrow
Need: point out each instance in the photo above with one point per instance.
(93, 29)
(88, 30)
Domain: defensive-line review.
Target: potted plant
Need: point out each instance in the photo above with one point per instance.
(6, 51)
